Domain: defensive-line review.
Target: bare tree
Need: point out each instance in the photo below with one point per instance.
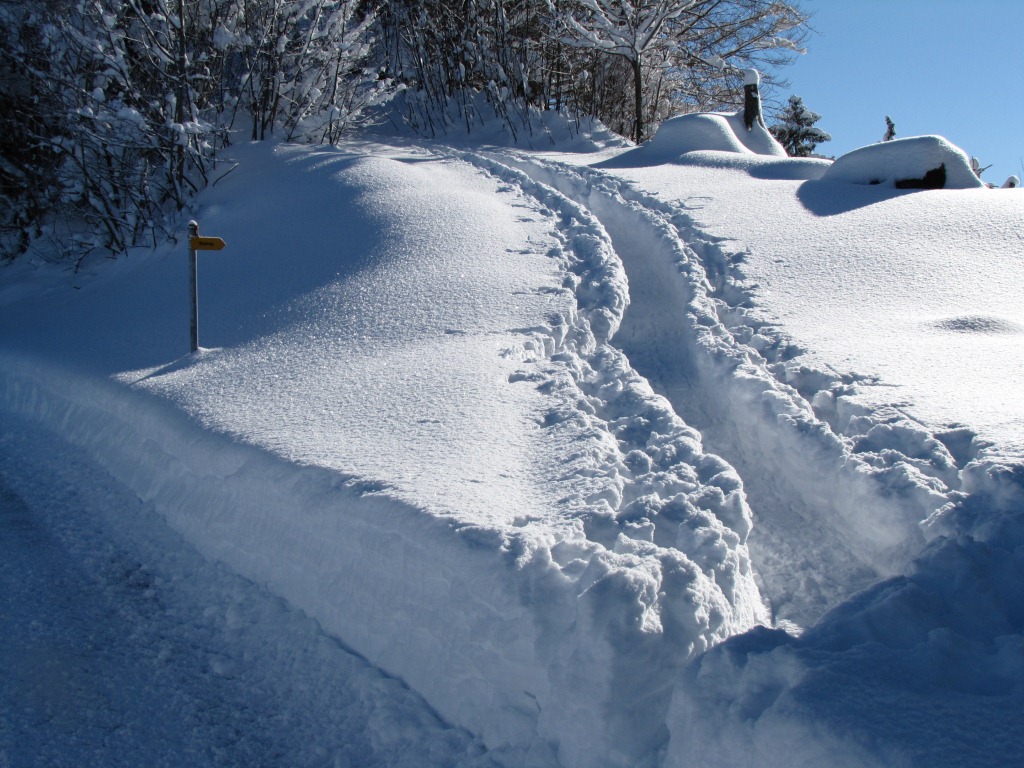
(630, 30)
(115, 110)
(687, 54)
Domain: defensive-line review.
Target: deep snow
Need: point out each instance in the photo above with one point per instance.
(125, 647)
(536, 434)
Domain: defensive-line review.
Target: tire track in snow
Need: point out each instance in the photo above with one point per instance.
(833, 513)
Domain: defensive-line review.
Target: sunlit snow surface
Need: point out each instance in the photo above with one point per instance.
(404, 350)
(895, 316)
(552, 439)
(916, 293)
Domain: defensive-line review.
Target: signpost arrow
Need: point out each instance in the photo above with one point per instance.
(197, 243)
(205, 243)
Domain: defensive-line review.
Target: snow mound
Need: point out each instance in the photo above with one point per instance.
(919, 162)
(700, 132)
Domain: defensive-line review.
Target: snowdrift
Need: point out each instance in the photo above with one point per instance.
(699, 132)
(919, 162)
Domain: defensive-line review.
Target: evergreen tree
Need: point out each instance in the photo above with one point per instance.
(796, 132)
(890, 129)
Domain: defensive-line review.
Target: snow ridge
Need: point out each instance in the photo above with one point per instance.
(320, 540)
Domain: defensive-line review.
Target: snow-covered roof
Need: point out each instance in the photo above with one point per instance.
(901, 162)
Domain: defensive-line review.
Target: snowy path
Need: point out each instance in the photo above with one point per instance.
(822, 531)
(123, 646)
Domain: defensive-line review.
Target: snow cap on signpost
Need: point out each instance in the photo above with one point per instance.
(751, 98)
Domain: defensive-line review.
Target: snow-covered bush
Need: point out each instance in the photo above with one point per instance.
(303, 64)
(118, 134)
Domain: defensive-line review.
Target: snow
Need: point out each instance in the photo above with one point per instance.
(123, 646)
(899, 160)
(929, 315)
(700, 132)
(527, 457)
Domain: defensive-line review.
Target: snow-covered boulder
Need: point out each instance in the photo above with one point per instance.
(919, 162)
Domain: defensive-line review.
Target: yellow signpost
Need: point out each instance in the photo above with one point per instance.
(205, 243)
(197, 243)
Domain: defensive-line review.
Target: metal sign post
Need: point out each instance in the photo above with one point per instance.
(197, 243)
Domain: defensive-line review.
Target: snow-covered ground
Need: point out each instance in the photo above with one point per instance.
(681, 455)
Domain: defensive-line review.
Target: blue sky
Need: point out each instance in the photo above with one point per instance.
(949, 67)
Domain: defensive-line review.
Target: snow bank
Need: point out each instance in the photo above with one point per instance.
(919, 162)
(697, 132)
(419, 595)
(123, 646)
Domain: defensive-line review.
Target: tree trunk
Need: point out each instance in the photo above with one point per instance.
(638, 100)
(179, 107)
